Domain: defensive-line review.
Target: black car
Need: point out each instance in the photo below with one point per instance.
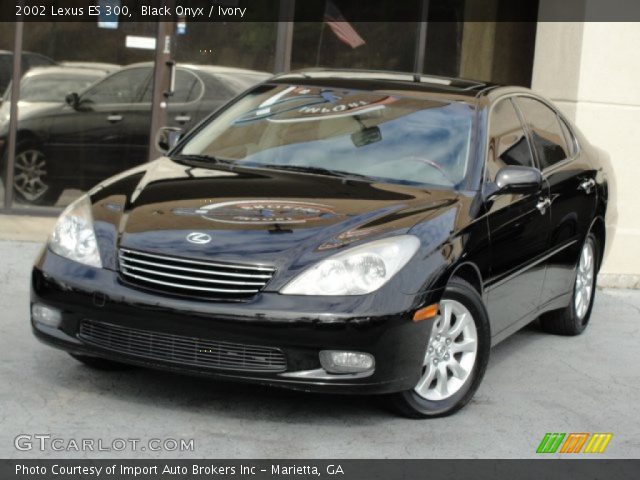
(336, 231)
(105, 129)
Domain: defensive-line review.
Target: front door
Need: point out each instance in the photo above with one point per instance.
(518, 226)
(99, 135)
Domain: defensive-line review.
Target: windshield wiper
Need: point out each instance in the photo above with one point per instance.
(318, 170)
(203, 158)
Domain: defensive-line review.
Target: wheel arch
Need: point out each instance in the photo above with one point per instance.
(469, 272)
(23, 136)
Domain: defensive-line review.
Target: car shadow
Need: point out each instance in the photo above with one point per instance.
(243, 401)
(206, 396)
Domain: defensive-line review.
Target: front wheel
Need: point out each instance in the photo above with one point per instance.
(32, 182)
(455, 359)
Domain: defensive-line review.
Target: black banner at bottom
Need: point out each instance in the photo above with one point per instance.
(548, 469)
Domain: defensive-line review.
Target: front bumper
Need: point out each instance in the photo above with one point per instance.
(299, 326)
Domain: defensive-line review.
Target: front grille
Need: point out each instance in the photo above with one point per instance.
(182, 350)
(199, 278)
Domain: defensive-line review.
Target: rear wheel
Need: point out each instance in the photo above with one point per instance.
(455, 359)
(573, 319)
(98, 363)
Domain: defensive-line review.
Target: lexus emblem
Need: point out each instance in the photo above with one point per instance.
(198, 238)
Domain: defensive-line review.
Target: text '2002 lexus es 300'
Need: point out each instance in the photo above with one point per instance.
(336, 231)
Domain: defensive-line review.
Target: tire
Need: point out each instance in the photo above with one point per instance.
(459, 297)
(573, 319)
(103, 364)
(32, 183)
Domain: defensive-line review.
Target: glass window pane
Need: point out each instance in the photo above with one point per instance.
(548, 138)
(396, 139)
(123, 87)
(508, 144)
(6, 69)
(572, 143)
(64, 149)
(216, 62)
(188, 87)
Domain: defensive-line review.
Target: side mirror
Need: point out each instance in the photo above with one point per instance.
(73, 100)
(521, 180)
(167, 138)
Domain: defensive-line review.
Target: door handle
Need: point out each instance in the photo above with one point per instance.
(113, 118)
(543, 204)
(182, 118)
(587, 185)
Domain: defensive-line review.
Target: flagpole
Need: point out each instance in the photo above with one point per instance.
(319, 45)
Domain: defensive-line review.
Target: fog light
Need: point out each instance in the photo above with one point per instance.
(46, 315)
(335, 361)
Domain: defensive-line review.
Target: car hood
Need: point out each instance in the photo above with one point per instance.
(278, 218)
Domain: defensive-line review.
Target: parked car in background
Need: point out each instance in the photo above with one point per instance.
(105, 129)
(29, 60)
(339, 232)
(43, 87)
(108, 67)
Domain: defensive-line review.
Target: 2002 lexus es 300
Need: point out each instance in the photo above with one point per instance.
(336, 231)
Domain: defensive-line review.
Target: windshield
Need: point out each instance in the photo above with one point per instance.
(386, 137)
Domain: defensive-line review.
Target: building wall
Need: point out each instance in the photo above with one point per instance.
(591, 71)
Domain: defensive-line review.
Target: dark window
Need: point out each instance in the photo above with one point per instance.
(53, 87)
(508, 144)
(121, 87)
(188, 87)
(547, 136)
(393, 139)
(571, 141)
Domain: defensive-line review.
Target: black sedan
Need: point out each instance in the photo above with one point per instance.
(105, 129)
(336, 231)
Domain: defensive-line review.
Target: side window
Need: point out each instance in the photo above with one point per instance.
(188, 87)
(572, 143)
(546, 133)
(508, 144)
(121, 87)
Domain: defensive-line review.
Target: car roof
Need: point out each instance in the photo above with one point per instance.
(97, 66)
(57, 69)
(386, 80)
(24, 52)
(211, 69)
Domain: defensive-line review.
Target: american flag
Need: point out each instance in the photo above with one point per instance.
(343, 30)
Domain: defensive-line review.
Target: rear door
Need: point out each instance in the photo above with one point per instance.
(182, 111)
(518, 225)
(572, 192)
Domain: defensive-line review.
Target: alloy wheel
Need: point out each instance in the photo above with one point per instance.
(451, 353)
(30, 175)
(584, 280)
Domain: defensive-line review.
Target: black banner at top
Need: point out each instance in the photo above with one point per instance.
(314, 10)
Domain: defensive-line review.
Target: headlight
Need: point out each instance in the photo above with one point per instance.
(73, 236)
(356, 271)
